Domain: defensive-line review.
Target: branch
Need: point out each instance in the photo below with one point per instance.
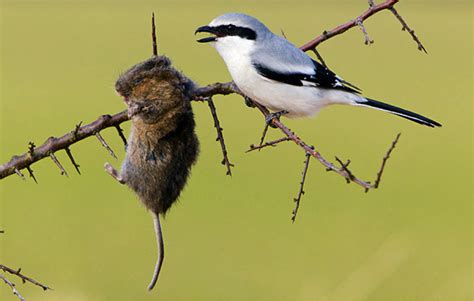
(23, 277)
(12, 286)
(373, 9)
(220, 137)
(301, 191)
(52, 144)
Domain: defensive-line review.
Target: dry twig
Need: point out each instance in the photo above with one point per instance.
(23, 278)
(220, 137)
(301, 191)
(373, 9)
(13, 287)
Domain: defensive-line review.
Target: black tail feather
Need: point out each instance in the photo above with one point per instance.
(399, 112)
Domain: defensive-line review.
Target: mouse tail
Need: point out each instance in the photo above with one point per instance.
(161, 250)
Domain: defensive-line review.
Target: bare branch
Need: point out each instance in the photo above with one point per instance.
(373, 9)
(384, 161)
(23, 277)
(408, 29)
(267, 144)
(52, 145)
(301, 191)
(368, 40)
(262, 139)
(220, 137)
(12, 286)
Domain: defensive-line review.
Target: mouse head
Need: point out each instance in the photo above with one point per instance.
(153, 89)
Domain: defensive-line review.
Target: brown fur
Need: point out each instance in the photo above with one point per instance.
(162, 144)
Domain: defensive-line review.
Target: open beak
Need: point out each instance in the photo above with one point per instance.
(208, 29)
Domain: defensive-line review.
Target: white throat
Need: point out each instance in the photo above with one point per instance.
(236, 53)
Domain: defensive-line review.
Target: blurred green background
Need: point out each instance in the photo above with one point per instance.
(231, 238)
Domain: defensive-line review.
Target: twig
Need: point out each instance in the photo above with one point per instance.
(153, 34)
(54, 144)
(301, 191)
(345, 167)
(408, 29)
(368, 40)
(58, 164)
(384, 161)
(373, 9)
(262, 139)
(267, 144)
(12, 286)
(220, 137)
(320, 57)
(104, 144)
(23, 277)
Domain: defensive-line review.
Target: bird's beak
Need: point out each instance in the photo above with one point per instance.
(208, 29)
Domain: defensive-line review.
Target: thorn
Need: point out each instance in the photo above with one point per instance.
(69, 154)
(122, 136)
(58, 164)
(30, 171)
(153, 34)
(104, 144)
(18, 172)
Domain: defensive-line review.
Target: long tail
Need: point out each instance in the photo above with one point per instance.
(367, 102)
(161, 250)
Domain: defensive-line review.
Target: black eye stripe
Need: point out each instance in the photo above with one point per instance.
(232, 30)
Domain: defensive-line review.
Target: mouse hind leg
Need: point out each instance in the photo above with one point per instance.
(113, 172)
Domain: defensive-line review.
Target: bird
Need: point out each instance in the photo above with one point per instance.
(275, 73)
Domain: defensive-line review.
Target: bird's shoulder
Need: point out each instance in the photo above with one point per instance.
(281, 61)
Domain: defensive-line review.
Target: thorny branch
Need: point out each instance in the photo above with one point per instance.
(53, 145)
(220, 136)
(23, 278)
(13, 287)
(373, 9)
(301, 191)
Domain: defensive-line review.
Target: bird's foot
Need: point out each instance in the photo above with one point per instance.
(249, 102)
(269, 118)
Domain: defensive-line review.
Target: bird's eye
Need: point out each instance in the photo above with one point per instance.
(230, 26)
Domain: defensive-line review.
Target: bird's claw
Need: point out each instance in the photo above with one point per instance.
(276, 115)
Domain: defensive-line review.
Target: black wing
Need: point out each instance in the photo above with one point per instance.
(322, 78)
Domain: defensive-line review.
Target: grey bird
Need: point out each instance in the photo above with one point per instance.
(275, 73)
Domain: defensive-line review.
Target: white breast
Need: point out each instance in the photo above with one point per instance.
(299, 101)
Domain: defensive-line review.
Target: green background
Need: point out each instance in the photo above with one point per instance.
(231, 238)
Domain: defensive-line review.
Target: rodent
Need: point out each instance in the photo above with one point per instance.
(162, 145)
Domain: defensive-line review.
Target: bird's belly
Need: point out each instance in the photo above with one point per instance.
(299, 101)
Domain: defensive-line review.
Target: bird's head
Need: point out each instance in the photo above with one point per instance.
(233, 31)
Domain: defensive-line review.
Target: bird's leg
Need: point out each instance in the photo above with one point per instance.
(249, 102)
(113, 172)
(276, 115)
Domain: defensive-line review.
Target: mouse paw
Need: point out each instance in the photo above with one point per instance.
(113, 172)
